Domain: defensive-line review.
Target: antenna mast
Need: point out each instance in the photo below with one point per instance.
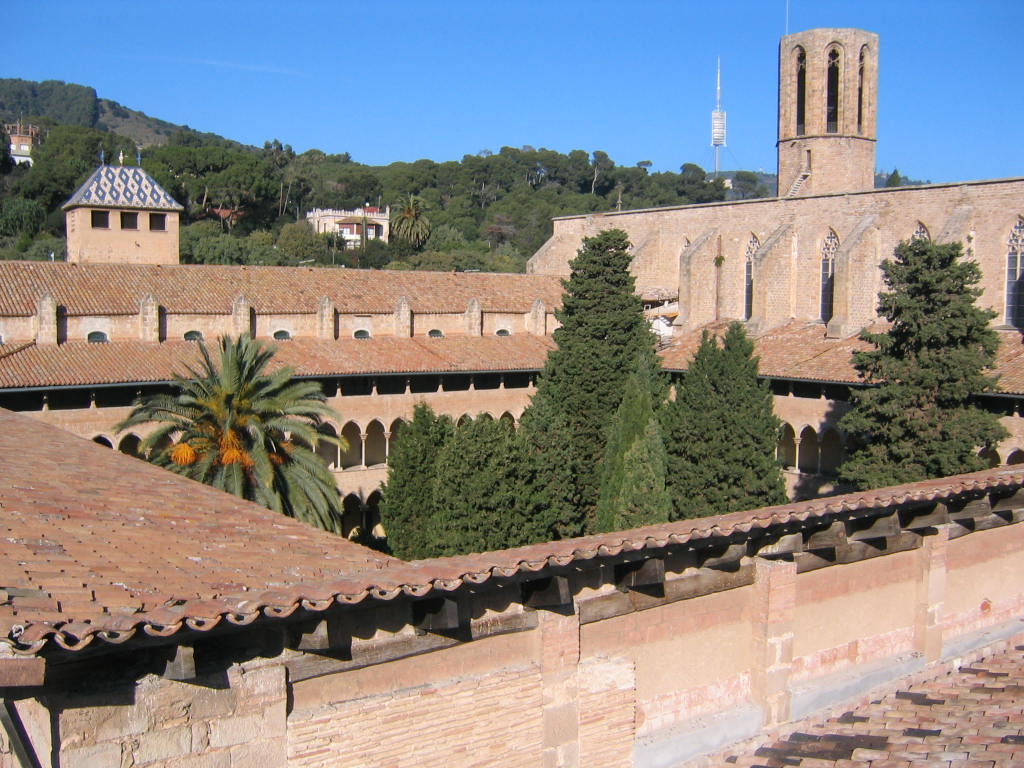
(718, 119)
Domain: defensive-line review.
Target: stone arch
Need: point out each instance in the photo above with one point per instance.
(375, 450)
(861, 64)
(193, 335)
(830, 450)
(161, 445)
(97, 337)
(352, 456)
(921, 233)
(102, 440)
(829, 249)
(130, 445)
(807, 451)
(463, 419)
(372, 517)
(1015, 275)
(329, 452)
(785, 451)
(1016, 457)
(833, 87)
(351, 516)
(282, 334)
(800, 72)
(506, 416)
(484, 415)
(990, 456)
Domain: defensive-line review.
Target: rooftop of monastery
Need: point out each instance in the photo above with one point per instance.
(122, 186)
(79, 564)
(79, 363)
(112, 289)
(968, 718)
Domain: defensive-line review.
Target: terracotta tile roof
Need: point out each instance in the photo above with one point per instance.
(116, 289)
(122, 186)
(79, 363)
(802, 351)
(98, 545)
(973, 717)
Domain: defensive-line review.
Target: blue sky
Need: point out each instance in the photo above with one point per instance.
(408, 79)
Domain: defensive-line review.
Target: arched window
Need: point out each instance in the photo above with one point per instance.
(860, 89)
(282, 335)
(436, 333)
(801, 91)
(503, 332)
(832, 92)
(362, 333)
(748, 277)
(829, 248)
(1014, 276)
(97, 337)
(921, 233)
(193, 335)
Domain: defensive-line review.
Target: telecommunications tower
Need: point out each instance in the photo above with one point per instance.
(718, 119)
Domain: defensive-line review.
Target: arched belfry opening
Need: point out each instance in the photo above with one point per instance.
(827, 82)
(1015, 275)
(832, 91)
(748, 277)
(801, 91)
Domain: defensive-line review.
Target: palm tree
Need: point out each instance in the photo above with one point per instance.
(238, 428)
(410, 223)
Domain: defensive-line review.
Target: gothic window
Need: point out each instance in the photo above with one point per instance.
(1015, 276)
(921, 233)
(829, 248)
(748, 278)
(801, 90)
(860, 90)
(832, 92)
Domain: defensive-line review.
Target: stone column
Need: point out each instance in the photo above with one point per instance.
(149, 319)
(772, 657)
(931, 594)
(46, 320)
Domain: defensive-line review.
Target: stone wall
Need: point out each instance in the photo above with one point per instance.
(630, 666)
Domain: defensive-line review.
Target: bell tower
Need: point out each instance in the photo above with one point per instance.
(828, 96)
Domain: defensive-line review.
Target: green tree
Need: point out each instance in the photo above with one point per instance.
(478, 493)
(233, 425)
(916, 419)
(6, 161)
(721, 433)
(409, 221)
(18, 216)
(408, 508)
(633, 491)
(894, 180)
(602, 334)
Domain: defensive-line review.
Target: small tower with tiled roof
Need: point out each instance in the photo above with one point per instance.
(120, 215)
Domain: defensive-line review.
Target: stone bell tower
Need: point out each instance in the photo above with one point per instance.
(828, 97)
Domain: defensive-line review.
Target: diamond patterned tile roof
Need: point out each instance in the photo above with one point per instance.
(122, 186)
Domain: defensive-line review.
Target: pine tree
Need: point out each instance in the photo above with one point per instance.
(916, 419)
(721, 432)
(408, 510)
(633, 489)
(602, 332)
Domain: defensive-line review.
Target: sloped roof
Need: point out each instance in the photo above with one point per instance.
(86, 556)
(116, 289)
(122, 186)
(79, 363)
(801, 351)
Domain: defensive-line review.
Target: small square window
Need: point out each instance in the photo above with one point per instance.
(129, 220)
(100, 219)
(157, 222)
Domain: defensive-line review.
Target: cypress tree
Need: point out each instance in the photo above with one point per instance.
(632, 489)
(916, 419)
(721, 432)
(602, 332)
(479, 491)
(408, 510)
